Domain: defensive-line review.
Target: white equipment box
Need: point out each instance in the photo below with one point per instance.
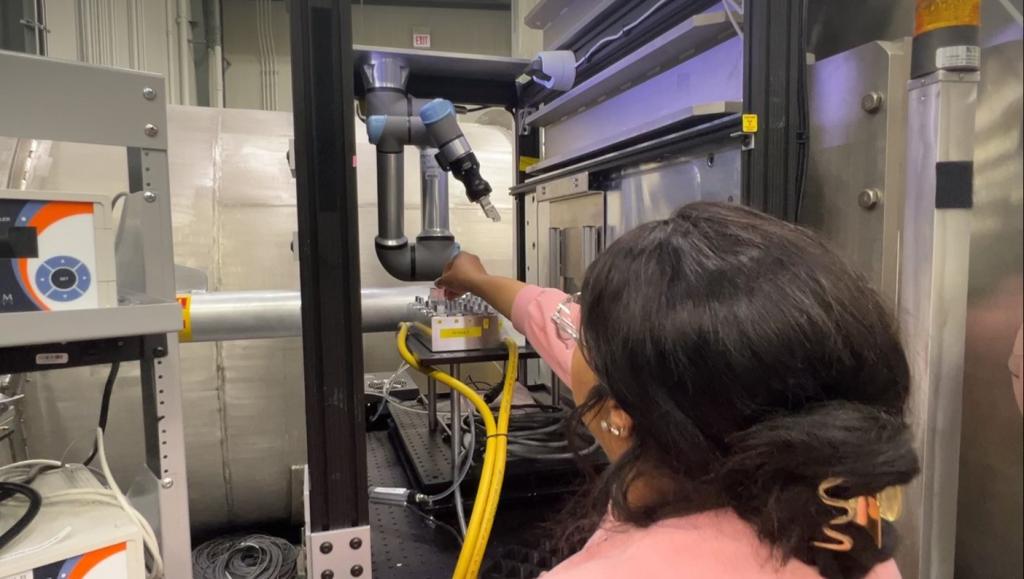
(72, 536)
(466, 323)
(56, 251)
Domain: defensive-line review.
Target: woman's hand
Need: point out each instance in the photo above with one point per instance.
(463, 274)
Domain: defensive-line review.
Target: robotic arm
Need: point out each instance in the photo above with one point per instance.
(395, 120)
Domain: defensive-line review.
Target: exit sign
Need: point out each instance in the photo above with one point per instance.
(421, 38)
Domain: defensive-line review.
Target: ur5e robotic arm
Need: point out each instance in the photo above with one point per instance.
(396, 120)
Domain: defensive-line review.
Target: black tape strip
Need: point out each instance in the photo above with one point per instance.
(954, 185)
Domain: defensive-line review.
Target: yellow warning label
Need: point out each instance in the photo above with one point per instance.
(185, 301)
(749, 123)
(487, 323)
(470, 332)
(527, 162)
(936, 14)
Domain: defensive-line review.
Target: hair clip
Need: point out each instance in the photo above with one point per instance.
(866, 511)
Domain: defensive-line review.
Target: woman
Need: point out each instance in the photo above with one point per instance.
(738, 375)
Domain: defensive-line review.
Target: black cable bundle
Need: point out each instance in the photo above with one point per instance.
(108, 390)
(8, 490)
(245, 557)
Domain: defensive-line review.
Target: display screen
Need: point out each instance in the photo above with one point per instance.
(18, 242)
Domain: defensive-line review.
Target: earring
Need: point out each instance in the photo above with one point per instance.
(604, 426)
(615, 430)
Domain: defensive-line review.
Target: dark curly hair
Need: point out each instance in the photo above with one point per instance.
(754, 364)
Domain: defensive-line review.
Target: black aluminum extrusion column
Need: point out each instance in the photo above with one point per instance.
(325, 157)
(774, 61)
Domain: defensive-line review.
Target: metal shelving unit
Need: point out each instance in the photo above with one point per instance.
(80, 103)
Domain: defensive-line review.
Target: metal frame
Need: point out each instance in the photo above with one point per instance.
(773, 60)
(110, 106)
(337, 504)
(935, 256)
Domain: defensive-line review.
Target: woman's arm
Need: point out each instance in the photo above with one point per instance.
(465, 273)
(529, 307)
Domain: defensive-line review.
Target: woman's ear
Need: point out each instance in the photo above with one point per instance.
(620, 423)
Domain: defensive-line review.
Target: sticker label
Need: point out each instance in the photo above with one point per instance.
(750, 123)
(470, 332)
(52, 359)
(527, 162)
(958, 57)
(185, 301)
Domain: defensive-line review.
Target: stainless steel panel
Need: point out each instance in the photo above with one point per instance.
(990, 513)
(568, 218)
(83, 93)
(932, 309)
(654, 190)
(23, 328)
(854, 150)
(708, 84)
(836, 26)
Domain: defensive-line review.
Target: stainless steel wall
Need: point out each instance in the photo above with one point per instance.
(990, 513)
(233, 215)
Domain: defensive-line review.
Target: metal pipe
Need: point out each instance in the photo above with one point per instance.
(433, 196)
(248, 315)
(456, 417)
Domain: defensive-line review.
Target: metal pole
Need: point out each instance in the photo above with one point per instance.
(456, 417)
(337, 506)
(432, 404)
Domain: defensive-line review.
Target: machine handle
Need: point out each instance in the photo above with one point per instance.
(555, 252)
(590, 244)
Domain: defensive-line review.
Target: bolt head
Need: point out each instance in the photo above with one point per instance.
(355, 543)
(149, 196)
(869, 198)
(167, 483)
(872, 102)
(151, 130)
(326, 547)
(328, 574)
(149, 93)
(357, 570)
(159, 351)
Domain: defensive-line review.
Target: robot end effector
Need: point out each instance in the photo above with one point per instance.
(454, 153)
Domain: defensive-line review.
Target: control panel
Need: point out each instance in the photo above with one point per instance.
(56, 251)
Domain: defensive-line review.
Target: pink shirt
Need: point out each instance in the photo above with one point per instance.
(706, 545)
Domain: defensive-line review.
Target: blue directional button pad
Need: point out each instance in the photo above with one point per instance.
(63, 278)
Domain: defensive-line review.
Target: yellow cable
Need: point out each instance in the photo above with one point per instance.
(504, 417)
(485, 507)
